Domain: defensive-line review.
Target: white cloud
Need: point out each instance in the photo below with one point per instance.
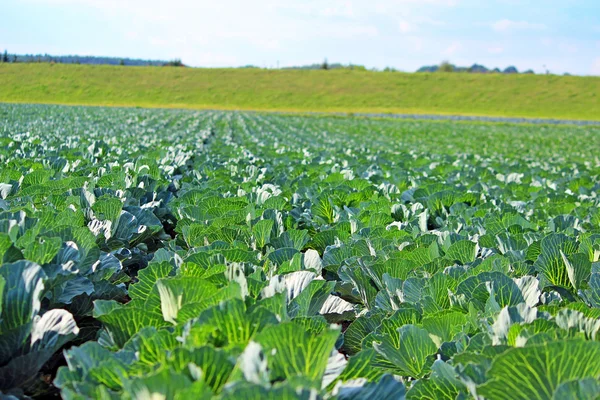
(596, 67)
(495, 50)
(417, 43)
(505, 25)
(405, 26)
(431, 21)
(353, 9)
(388, 7)
(312, 8)
(415, 23)
(344, 9)
(568, 47)
(452, 49)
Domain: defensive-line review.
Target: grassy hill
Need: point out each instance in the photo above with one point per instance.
(539, 96)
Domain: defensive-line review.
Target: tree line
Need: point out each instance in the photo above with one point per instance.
(7, 57)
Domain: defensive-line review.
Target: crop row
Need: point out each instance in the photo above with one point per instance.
(186, 254)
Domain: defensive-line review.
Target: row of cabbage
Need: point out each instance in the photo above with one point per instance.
(180, 254)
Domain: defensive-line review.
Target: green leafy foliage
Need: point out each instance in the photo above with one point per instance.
(542, 369)
(201, 254)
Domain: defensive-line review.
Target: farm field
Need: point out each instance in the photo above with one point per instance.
(177, 254)
(499, 95)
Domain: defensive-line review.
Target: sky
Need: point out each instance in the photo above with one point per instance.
(556, 35)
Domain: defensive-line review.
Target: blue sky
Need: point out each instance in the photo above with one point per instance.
(563, 36)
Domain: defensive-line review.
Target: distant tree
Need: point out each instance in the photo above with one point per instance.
(325, 64)
(14, 58)
(547, 70)
(429, 68)
(121, 62)
(445, 66)
(5, 56)
(357, 67)
(174, 63)
(477, 68)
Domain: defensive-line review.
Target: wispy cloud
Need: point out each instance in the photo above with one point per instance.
(495, 50)
(344, 9)
(353, 9)
(405, 26)
(506, 25)
(413, 24)
(568, 47)
(452, 49)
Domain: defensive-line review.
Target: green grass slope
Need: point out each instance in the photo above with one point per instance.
(544, 96)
